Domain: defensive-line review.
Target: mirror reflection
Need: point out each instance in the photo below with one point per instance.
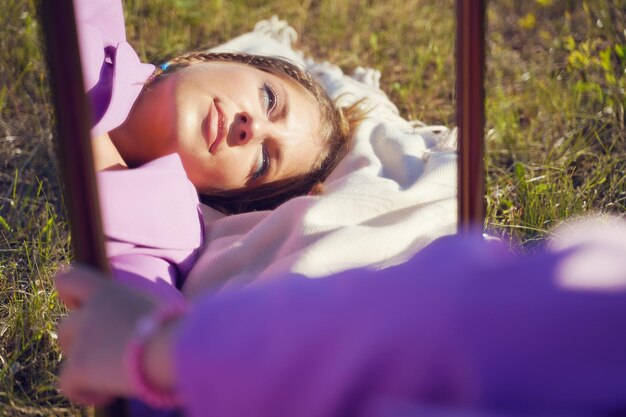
(272, 149)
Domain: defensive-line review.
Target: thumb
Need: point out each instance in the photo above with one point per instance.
(78, 284)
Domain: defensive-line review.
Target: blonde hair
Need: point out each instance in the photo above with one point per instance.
(336, 127)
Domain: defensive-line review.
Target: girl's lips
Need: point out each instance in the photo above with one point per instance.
(215, 126)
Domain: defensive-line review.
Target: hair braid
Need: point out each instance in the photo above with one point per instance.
(258, 61)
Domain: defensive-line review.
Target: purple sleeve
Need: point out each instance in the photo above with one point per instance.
(152, 224)
(463, 326)
(113, 74)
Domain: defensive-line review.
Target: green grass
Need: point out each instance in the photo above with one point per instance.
(555, 127)
(555, 114)
(33, 232)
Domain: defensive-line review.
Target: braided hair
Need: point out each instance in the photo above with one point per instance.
(335, 130)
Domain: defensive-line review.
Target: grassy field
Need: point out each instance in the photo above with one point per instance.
(555, 127)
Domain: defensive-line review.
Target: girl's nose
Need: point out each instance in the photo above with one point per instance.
(245, 128)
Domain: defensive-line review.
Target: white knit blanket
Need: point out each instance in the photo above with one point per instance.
(392, 195)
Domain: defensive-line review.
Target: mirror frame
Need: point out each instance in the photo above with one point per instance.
(72, 128)
(74, 144)
(470, 114)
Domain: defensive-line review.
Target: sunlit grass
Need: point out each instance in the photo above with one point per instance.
(34, 244)
(555, 127)
(555, 111)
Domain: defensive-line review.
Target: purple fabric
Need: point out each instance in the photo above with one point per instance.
(461, 329)
(104, 51)
(152, 224)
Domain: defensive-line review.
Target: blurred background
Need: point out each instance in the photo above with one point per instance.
(555, 129)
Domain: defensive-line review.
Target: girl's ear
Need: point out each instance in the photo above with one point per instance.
(316, 189)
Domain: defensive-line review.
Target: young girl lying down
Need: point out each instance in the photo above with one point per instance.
(244, 132)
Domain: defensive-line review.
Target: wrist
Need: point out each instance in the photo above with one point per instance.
(148, 357)
(157, 361)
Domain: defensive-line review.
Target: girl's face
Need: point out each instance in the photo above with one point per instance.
(234, 126)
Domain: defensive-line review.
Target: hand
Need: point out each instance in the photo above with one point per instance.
(94, 336)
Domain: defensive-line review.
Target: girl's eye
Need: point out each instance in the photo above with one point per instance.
(269, 98)
(263, 164)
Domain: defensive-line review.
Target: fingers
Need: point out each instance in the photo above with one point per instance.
(89, 398)
(67, 329)
(77, 285)
(72, 385)
(74, 381)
